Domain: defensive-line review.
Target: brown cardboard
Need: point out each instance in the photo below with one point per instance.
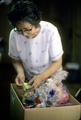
(19, 112)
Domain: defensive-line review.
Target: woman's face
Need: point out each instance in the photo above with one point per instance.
(27, 29)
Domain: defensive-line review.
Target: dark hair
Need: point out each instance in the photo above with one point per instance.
(24, 10)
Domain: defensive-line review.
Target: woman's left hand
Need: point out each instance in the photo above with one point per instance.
(35, 81)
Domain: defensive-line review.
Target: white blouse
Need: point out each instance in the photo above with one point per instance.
(37, 53)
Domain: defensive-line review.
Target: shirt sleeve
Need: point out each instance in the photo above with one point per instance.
(12, 51)
(55, 47)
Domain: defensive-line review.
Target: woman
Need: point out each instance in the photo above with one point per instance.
(34, 45)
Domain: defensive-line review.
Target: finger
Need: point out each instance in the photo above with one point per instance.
(31, 82)
(22, 78)
(34, 85)
(18, 82)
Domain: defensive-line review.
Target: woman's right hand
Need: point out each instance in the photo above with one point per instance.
(20, 78)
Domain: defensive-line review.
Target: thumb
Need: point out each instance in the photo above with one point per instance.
(19, 81)
(31, 82)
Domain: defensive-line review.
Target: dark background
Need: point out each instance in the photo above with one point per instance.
(66, 15)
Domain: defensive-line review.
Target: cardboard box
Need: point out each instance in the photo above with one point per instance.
(19, 112)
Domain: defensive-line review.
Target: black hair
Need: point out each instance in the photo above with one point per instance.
(24, 10)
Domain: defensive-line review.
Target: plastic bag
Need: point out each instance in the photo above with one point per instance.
(50, 93)
(53, 92)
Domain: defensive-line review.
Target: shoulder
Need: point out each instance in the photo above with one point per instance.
(48, 27)
(13, 33)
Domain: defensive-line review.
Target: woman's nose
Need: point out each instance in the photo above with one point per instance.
(25, 33)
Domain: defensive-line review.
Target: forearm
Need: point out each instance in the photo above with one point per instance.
(51, 69)
(18, 66)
